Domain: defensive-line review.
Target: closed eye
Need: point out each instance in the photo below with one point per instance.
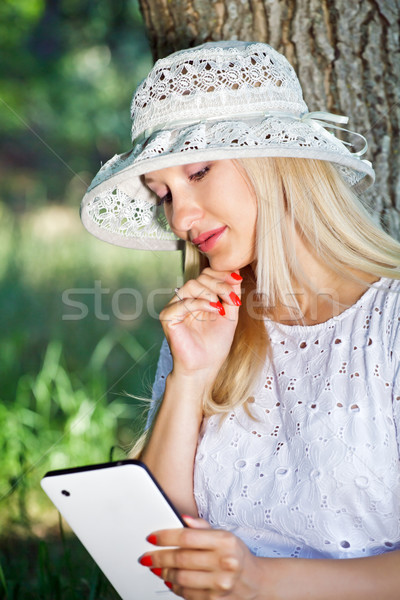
(200, 174)
(167, 199)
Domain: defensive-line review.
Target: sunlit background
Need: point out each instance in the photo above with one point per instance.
(78, 335)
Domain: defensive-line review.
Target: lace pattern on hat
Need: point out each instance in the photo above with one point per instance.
(130, 216)
(118, 213)
(271, 133)
(214, 79)
(217, 101)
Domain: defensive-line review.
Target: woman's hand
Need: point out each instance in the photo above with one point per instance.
(200, 327)
(200, 337)
(204, 563)
(211, 564)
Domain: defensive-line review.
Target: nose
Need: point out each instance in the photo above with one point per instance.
(185, 211)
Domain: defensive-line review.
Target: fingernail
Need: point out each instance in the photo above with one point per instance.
(168, 584)
(188, 519)
(236, 277)
(152, 539)
(156, 571)
(235, 299)
(218, 305)
(146, 561)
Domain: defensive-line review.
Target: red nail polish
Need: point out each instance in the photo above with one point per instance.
(218, 305)
(156, 571)
(168, 584)
(152, 539)
(235, 299)
(146, 561)
(188, 520)
(221, 309)
(236, 277)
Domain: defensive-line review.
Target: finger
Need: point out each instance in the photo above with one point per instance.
(188, 593)
(196, 539)
(224, 275)
(180, 558)
(188, 580)
(210, 287)
(236, 276)
(196, 308)
(195, 522)
(231, 277)
(226, 284)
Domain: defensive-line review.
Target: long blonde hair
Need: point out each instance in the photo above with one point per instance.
(311, 197)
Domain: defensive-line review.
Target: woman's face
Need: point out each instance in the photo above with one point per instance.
(211, 205)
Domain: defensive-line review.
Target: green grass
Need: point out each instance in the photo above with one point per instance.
(53, 568)
(66, 384)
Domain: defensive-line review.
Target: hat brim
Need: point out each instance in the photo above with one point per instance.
(120, 209)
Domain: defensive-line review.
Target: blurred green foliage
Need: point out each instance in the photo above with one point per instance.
(63, 383)
(68, 69)
(70, 357)
(67, 73)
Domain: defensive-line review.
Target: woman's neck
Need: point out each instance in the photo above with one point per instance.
(324, 294)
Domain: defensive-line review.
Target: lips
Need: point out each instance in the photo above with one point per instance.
(208, 239)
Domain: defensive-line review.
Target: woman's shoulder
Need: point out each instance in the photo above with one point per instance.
(385, 291)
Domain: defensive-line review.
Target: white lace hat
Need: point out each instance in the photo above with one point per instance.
(215, 101)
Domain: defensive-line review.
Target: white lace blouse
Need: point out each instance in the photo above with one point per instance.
(316, 474)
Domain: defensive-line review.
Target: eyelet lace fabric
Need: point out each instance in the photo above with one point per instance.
(118, 213)
(265, 137)
(317, 473)
(226, 79)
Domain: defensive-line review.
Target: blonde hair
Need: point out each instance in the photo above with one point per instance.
(311, 197)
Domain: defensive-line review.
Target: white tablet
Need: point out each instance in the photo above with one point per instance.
(112, 508)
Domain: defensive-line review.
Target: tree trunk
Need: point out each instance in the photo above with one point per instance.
(346, 54)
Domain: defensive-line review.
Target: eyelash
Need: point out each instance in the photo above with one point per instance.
(195, 177)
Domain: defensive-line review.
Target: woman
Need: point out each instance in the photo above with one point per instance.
(276, 412)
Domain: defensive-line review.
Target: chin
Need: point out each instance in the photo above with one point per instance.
(218, 265)
(226, 264)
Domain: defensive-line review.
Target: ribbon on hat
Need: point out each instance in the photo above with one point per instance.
(319, 117)
(326, 119)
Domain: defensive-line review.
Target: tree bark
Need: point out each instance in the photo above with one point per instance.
(346, 54)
